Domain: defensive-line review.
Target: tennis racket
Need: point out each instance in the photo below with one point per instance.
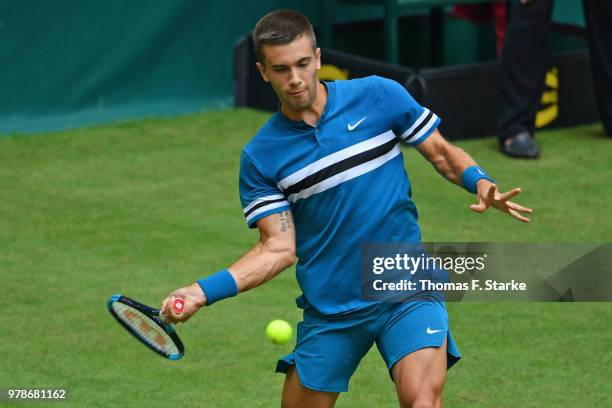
(147, 325)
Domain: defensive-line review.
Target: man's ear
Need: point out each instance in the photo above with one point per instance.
(262, 71)
(318, 58)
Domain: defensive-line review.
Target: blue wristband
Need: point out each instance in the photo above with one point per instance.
(471, 175)
(218, 286)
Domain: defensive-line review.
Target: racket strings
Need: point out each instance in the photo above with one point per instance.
(145, 328)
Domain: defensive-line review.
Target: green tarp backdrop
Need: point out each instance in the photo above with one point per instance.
(67, 63)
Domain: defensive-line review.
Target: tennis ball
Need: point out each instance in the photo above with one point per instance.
(279, 331)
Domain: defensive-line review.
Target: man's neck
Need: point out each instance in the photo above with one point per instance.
(312, 114)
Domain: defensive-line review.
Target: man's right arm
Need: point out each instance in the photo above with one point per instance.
(274, 253)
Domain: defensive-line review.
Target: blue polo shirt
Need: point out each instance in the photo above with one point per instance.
(343, 180)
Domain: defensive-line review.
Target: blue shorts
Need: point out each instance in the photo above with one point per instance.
(329, 348)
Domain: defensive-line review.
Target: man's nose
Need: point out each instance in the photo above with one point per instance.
(295, 78)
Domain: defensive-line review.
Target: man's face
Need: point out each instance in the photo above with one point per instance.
(291, 69)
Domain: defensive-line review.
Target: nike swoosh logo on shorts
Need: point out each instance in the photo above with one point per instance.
(430, 331)
(352, 127)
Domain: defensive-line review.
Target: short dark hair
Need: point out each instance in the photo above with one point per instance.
(281, 27)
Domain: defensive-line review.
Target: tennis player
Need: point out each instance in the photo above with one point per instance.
(324, 175)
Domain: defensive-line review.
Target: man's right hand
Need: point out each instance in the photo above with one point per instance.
(193, 298)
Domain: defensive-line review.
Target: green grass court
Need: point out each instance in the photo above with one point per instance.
(147, 206)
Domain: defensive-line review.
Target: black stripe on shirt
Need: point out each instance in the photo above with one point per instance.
(421, 126)
(263, 203)
(339, 167)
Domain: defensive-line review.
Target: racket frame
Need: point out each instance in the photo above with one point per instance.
(154, 315)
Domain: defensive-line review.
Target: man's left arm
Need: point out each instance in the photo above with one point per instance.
(459, 168)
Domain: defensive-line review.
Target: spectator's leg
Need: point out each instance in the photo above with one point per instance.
(524, 61)
(598, 16)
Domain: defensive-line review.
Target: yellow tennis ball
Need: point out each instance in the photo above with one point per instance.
(279, 331)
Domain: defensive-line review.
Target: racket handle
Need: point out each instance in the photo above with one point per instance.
(177, 306)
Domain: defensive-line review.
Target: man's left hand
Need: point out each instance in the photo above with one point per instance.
(489, 196)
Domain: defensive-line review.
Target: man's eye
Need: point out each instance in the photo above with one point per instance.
(280, 69)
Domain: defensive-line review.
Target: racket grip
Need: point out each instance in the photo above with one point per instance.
(177, 306)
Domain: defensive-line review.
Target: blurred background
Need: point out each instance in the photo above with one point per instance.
(68, 63)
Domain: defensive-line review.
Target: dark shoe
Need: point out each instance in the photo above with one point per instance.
(520, 145)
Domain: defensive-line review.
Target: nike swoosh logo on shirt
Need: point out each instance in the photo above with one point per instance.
(430, 331)
(352, 127)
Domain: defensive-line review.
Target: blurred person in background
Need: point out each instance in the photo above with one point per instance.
(525, 60)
